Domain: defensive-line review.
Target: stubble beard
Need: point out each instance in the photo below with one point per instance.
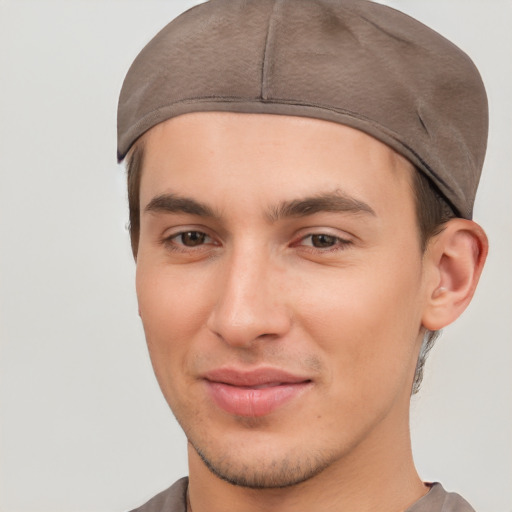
(275, 474)
(296, 465)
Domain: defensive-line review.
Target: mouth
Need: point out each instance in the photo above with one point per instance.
(254, 393)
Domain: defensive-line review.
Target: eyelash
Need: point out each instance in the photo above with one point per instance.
(338, 243)
(171, 243)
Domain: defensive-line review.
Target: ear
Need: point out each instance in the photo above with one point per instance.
(454, 260)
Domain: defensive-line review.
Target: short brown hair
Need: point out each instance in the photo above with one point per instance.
(134, 161)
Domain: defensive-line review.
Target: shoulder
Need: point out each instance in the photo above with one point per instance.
(439, 500)
(173, 499)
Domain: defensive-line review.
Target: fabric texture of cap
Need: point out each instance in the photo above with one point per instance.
(353, 62)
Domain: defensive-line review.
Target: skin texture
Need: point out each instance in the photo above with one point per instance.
(338, 299)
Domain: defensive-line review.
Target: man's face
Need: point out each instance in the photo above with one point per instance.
(281, 288)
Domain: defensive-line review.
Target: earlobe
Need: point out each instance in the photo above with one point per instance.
(455, 258)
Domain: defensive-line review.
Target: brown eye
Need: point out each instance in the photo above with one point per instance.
(192, 238)
(323, 241)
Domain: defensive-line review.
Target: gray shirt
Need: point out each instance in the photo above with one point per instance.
(437, 499)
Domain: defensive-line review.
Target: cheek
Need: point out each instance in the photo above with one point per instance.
(173, 308)
(366, 320)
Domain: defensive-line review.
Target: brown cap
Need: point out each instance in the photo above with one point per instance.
(353, 62)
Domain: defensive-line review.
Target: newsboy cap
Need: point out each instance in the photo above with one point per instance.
(353, 62)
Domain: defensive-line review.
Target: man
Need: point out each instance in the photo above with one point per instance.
(301, 179)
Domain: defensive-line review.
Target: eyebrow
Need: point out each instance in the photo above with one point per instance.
(329, 202)
(172, 203)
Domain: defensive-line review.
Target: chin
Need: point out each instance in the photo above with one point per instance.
(262, 471)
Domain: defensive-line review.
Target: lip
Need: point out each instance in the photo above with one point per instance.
(256, 392)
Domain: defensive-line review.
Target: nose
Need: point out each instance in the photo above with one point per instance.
(251, 303)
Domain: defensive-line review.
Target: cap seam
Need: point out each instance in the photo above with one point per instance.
(269, 39)
(221, 99)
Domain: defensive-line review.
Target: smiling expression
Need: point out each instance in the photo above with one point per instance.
(281, 288)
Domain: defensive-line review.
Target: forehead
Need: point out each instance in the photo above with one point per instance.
(272, 156)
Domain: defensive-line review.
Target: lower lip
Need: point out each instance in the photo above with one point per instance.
(247, 401)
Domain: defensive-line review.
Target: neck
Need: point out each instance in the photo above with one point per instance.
(377, 475)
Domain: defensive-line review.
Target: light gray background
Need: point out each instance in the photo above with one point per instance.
(83, 425)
